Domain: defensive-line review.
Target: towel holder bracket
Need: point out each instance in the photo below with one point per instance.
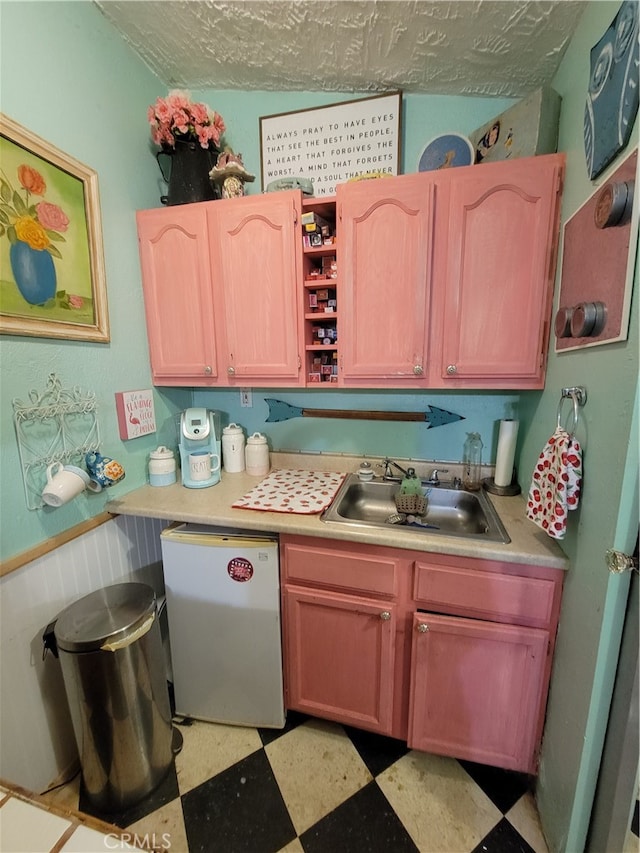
(577, 392)
(578, 395)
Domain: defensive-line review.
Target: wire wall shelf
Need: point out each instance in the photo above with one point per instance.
(55, 425)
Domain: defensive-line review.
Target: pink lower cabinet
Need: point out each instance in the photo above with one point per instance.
(341, 656)
(481, 648)
(451, 654)
(340, 623)
(476, 689)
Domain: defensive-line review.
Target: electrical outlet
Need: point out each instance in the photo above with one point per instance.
(246, 398)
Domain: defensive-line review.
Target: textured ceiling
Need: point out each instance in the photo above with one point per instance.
(501, 48)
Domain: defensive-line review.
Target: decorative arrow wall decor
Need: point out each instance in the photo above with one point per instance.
(435, 417)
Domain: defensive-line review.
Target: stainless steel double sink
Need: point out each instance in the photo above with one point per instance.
(451, 511)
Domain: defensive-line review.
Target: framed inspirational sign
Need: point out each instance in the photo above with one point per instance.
(329, 145)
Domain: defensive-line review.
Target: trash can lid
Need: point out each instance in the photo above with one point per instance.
(109, 614)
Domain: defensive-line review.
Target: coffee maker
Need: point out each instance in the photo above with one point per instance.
(198, 439)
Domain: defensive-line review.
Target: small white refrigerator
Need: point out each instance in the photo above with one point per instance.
(223, 612)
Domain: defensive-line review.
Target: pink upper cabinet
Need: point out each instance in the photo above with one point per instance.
(256, 272)
(385, 254)
(495, 270)
(174, 255)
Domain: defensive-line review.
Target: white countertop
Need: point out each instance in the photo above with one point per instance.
(529, 545)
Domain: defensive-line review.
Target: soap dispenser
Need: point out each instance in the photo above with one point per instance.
(365, 472)
(472, 462)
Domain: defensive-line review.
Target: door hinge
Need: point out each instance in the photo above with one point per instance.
(618, 562)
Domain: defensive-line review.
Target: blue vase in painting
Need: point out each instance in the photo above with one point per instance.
(34, 272)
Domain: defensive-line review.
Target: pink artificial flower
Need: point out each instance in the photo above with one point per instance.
(177, 116)
(200, 114)
(52, 217)
(219, 127)
(179, 99)
(203, 136)
(181, 121)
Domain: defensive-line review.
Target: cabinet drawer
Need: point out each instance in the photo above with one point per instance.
(364, 571)
(490, 595)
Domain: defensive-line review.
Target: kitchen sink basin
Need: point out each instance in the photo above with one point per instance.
(450, 511)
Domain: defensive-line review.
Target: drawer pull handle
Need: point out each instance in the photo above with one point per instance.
(423, 627)
(385, 616)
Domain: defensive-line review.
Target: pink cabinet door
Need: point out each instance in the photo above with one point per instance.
(256, 251)
(174, 255)
(499, 250)
(339, 656)
(476, 690)
(384, 259)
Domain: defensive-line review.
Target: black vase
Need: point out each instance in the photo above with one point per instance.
(188, 179)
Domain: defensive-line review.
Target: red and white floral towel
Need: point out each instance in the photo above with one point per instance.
(302, 492)
(556, 483)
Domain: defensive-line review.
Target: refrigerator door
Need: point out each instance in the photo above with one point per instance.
(223, 610)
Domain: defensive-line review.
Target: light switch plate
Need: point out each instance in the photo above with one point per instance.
(246, 398)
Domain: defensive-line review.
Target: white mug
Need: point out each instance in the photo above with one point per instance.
(64, 482)
(202, 465)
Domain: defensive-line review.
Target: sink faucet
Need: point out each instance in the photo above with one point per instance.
(434, 479)
(410, 472)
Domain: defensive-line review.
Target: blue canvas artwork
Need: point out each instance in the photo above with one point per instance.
(612, 97)
(445, 152)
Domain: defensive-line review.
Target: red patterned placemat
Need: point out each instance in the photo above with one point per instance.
(302, 492)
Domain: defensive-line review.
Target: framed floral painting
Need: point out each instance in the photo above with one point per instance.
(52, 279)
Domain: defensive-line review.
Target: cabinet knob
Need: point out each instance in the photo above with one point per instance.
(207, 370)
(418, 370)
(385, 616)
(451, 369)
(231, 371)
(423, 627)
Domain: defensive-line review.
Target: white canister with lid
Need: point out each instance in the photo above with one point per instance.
(257, 454)
(233, 449)
(162, 467)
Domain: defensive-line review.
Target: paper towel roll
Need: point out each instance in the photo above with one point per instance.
(506, 452)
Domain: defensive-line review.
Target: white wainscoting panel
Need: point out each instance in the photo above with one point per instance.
(37, 745)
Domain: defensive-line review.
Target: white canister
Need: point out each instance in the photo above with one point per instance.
(162, 467)
(257, 454)
(233, 449)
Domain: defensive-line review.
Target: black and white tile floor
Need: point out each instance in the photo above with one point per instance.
(314, 787)
(319, 787)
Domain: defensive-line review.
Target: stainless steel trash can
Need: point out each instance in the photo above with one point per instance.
(112, 663)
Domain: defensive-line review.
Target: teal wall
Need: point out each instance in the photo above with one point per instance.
(481, 413)
(68, 77)
(610, 375)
